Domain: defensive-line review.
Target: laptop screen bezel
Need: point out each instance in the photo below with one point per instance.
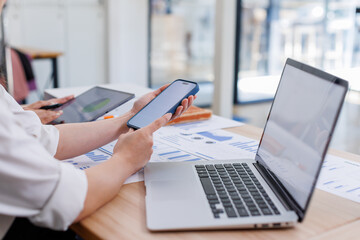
(280, 188)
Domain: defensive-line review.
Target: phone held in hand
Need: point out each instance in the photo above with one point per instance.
(51, 107)
(166, 102)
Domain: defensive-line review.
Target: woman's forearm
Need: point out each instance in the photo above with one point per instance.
(104, 182)
(79, 138)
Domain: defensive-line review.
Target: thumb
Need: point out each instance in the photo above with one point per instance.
(58, 113)
(52, 115)
(48, 116)
(158, 123)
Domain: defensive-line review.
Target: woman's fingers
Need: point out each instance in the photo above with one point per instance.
(60, 100)
(178, 112)
(191, 100)
(47, 116)
(185, 104)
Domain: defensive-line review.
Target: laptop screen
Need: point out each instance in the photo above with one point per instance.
(299, 128)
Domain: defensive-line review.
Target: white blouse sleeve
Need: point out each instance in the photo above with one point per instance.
(47, 135)
(32, 183)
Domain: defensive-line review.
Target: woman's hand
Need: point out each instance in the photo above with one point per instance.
(141, 102)
(47, 116)
(135, 147)
(131, 153)
(39, 104)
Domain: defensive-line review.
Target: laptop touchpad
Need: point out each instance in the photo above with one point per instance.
(170, 190)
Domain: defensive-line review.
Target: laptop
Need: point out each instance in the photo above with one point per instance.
(271, 191)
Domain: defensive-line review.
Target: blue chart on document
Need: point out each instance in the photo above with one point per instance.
(179, 146)
(340, 177)
(168, 144)
(89, 159)
(209, 145)
(166, 153)
(184, 142)
(108, 148)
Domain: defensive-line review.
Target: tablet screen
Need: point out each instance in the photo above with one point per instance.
(92, 104)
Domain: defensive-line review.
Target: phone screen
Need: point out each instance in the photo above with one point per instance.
(162, 104)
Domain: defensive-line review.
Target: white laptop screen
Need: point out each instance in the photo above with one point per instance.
(298, 130)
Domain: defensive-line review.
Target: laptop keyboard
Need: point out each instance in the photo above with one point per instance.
(233, 189)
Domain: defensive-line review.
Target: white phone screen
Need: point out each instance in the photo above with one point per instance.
(162, 104)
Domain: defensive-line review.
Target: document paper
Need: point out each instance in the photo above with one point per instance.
(211, 145)
(340, 177)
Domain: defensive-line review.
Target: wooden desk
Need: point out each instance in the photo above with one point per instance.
(39, 54)
(329, 216)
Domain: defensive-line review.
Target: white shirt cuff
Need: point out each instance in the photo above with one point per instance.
(50, 139)
(66, 202)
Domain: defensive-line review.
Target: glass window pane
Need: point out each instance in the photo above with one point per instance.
(182, 43)
(318, 32)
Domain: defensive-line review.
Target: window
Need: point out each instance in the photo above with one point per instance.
(319, 33)
(182, 43)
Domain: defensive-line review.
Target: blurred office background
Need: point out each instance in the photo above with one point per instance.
(153, 42)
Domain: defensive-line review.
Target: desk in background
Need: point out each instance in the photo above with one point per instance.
(329, 216)
(38, 54)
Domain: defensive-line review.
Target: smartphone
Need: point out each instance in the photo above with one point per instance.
(166, 102)
(50, 107)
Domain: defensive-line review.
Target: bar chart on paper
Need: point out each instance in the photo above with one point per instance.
(108, 148)
(97, 157)
(165, 153)
(162, 153)
(88, 159)
(250, 146)
(340, 177)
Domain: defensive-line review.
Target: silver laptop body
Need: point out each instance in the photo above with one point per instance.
(271, 191)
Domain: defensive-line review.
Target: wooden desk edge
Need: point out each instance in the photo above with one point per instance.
(40, 53)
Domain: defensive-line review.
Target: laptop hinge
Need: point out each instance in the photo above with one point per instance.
(288, 202)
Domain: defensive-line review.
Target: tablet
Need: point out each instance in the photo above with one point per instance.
(91, 105)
